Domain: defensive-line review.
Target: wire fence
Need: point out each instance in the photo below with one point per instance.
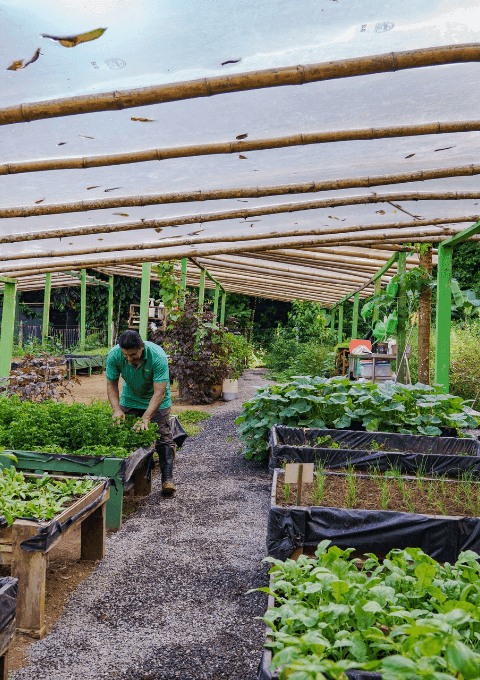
(66, 337)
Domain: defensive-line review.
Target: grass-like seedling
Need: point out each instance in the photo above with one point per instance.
(351, 482)
(319, 484)
(287, 493)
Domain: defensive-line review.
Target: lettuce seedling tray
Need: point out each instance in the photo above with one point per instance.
(306, 445)
(294, 528)
(24, 546)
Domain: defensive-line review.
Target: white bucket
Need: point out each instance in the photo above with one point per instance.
(230, 389)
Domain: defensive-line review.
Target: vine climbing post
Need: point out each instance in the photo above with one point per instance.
(8, 322)
(222, 308)
(183, 282)
(144, 299)
(340, 325)
(201, 291)
(83, 307)
(215, 302)
(402, 317)
(46, 307)
(356, 301)
(425, 319)
(110, 312)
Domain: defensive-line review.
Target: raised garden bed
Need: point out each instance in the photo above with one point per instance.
(77, 362)
(335, 447)
(373, 528)
(24, 545)
(8, 604)
(126, 474)
(409, 616)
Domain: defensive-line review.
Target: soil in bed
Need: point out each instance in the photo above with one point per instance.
(427, 496)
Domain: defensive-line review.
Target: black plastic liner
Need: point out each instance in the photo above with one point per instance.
(441, 537)
(8, 600)
(295, 444)
(50, 533)
(178, 433)
(263, 672)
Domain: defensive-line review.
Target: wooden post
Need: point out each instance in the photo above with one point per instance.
(8, 320)
(30, 569)
(424, 322)
(145, 299)
(183, 282)
(46, 307)
(215, 303)
(92, 535)
(444, 316)
(110, 312)
(201, 290)
(402, 319)
(83, 308)
(222, 309)
(299, 484)
(356, 301)
(340, 325)
(378, 288)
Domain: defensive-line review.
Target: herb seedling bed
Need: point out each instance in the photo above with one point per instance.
(371, 529)
(8, 603)
(304, 445)
(24, 545)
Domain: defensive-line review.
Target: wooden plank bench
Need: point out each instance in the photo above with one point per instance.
(30, 567)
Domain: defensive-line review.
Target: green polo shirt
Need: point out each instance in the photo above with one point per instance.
(138, 386)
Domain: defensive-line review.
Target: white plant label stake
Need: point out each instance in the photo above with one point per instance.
(299, 474)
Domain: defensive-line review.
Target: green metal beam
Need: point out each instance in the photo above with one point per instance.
(145, 299)
(340, 325)
(332, 319)
(356, 302)
(444, 316)
(201, 290)
(402, 319)
(222, 309)
(378, 274)
(6, 279)
(83, 307)
(46, 307)
(8, 321)
(462, 236)
(183, 282)
(110, 312)
(215, 302)
(89, 279)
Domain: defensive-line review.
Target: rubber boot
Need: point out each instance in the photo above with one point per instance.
(165, 458)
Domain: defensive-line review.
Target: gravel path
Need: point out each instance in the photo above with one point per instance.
(169, 600)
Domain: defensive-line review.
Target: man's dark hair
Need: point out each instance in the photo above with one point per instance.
(130, 340)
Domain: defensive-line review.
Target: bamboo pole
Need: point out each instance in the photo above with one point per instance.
(328, 255)
(140, 200)
(240, 146)
(46, 308)
(240, 82)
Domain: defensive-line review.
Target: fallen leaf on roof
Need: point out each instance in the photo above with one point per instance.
(410, 155)
(445, 148)
(72, 40)
(332, 217)
(242, 157)
(112, 189)
(121, 214)
(95, 187)
(61, 143)
(99, 239)
(40, 201)
(242, 136)
(144, 120)
(17, 65)
(86, 137)
(380, 212)
(241, 200)
(231, 61)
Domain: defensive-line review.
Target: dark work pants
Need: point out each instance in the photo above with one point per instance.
(161, 419)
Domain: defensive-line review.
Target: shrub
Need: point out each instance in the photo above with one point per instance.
(314, 360)
(283, 353)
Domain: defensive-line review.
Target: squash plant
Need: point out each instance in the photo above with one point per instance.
(40, 498)
(337, 403)
(409, 617)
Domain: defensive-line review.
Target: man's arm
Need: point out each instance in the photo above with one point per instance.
(114, 399)
(159, 390)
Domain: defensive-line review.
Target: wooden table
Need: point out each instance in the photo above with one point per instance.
(30, 567)
(352, 363)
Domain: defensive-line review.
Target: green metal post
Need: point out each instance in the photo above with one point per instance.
(378, 288)
(183, 282)
(8, 322)
(145, 299)
(340, 324)
(332, 321)
(110, 312)
(356, 302)
(201, 291)
(222, 309)
(402, 319)
(16, 327)
(444, 315)
(83, 308)
(215, 303)
(46, 307)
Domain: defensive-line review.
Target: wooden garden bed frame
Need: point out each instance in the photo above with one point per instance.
(30, 566)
